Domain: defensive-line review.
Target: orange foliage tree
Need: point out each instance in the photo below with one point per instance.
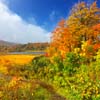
(62, 40)
(83, 24)
(96, 34)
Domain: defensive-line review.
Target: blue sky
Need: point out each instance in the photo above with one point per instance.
(32, 20)
(46, 12)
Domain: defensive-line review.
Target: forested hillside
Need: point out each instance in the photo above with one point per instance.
(15, 47)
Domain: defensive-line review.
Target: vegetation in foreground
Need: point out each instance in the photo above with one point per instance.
(70, 70)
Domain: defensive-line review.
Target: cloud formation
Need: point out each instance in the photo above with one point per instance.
(15, 29)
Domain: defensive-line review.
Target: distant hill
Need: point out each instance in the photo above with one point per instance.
(6, 46)
(6, 43)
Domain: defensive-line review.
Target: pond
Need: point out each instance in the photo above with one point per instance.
(34, 53)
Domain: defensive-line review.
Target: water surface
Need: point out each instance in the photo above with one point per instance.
(34, 53)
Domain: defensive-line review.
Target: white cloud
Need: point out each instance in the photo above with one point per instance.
(14, 29)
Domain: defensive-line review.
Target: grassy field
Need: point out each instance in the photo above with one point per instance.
(16, 59)
(16, 82)
(10, 60)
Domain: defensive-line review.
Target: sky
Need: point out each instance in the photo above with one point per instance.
(25, 21)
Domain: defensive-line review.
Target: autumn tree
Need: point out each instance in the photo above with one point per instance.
(62, 40)
(82, 25)
(83, 17)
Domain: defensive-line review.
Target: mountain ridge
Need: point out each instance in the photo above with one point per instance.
(6, 43)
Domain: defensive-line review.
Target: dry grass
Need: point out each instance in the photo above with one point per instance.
(16, 59)
(10, 60)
